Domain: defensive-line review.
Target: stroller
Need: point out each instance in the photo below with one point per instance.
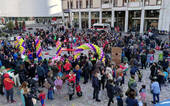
(78, 90)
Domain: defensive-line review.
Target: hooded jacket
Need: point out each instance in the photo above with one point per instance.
(132, 83)
(8, 83)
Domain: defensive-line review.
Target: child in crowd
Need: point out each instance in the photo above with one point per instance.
(143, 94)
(58, 83)
(42, 97)
(71, 89)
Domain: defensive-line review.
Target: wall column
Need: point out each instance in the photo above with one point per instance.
(126, 20)
(100, 16)
(113, 18)
(89, 19)
(80, 27)
(71, 19)
(142, 21)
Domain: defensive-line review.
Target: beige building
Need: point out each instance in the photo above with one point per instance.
(137, 15)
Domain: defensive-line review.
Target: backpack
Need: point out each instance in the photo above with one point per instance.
(117, 91)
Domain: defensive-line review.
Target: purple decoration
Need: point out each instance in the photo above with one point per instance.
(36, 42)
(18, 45)
(23, 44)
(93, 47)
(38, 52)
(58, 50)
(102, 56)
(19, 37)
(78, 50)
(23, 52)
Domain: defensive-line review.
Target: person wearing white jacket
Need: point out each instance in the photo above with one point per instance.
(109, 73)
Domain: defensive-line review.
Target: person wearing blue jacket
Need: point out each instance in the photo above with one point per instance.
(78, 72)
(133, 70)
(155, 89)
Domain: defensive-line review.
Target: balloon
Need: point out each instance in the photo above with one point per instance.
(38, 48)
(93, 47)
(58, 46)
(19, 43)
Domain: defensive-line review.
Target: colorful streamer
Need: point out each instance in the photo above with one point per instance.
(38, 48)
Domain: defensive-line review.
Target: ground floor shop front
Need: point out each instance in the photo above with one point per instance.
(127, 20)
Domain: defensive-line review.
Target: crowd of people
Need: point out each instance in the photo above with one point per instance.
(31, 75)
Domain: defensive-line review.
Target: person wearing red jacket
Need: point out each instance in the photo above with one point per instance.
(71, 77)
(67, 67)
(8, 84)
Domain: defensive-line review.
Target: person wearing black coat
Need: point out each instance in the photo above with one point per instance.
(153, 70)
(143, 60)
(86, 72)
(22, 75)
(28, 99)
(103, 79)
(95, 85)
(110, 91)
(1, 84)
(32, 70)
(41, 74)
(165, 64)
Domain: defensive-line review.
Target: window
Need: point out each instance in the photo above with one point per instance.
(91, 3)
(98, 26)
(146, 2)
(119, 3)
(159, 2)
(105, 1)
(153, 2)
(80, 3)
(77, 4)
(71, 4)
(87, 3)
(152, 13)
